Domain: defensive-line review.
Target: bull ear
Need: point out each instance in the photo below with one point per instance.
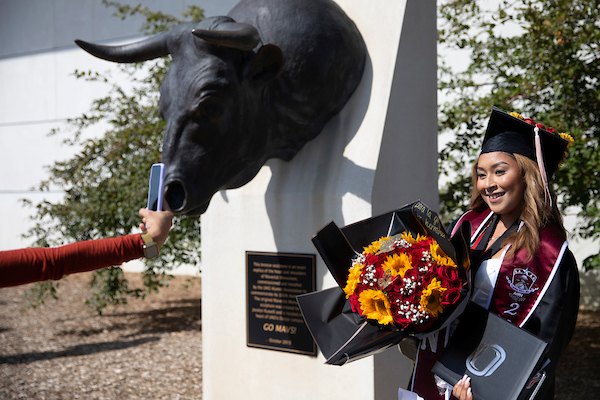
(267, 64)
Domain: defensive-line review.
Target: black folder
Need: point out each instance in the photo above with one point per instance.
(503, 360)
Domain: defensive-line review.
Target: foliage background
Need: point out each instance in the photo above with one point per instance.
(539, 58)
(106, 183)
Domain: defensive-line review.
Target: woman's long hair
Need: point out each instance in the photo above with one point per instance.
(535, 215)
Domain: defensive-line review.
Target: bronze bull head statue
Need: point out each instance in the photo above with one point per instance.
(243, 88)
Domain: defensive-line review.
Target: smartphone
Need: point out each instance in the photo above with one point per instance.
(156, 187)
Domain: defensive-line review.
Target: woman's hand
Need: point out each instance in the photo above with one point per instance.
(157, 223)
(462, 389)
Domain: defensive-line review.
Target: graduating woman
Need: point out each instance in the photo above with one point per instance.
(523, 270)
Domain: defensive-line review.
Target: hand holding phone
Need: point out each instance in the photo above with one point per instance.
(156, 187)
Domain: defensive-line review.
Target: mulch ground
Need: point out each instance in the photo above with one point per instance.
(578, 372)
(152, 349)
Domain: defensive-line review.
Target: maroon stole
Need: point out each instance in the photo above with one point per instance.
(521, 284)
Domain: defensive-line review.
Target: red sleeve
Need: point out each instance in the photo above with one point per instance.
(18, 267)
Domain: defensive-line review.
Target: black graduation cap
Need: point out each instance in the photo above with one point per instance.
(514, 135)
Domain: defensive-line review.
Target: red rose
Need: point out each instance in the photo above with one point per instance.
(540, 126)
(392, 295)
(447, 273)
(371, 259)
(412, 273)
(359, 289)
(403, 323)
(422, 246)
(449, 297)
(379, 272)
(400, 320)
(355, 304)
(529, 121)
(551, 130)
(456, 284)
(426, 277)
(396, 285)
(425, 325)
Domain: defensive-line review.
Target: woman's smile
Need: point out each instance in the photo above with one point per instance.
(495, 196)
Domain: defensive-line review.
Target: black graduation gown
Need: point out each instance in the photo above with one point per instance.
(554, 314)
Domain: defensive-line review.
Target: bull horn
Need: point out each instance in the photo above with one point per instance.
(153, 47)
(236, 35)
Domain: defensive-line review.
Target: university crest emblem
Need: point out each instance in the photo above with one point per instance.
(522, 282)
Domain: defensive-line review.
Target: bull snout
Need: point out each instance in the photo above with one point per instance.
(176, 196)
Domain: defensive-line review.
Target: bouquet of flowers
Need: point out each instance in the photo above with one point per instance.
(409, 279)
(404, 281)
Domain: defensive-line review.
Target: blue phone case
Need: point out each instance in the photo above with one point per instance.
(155, 189)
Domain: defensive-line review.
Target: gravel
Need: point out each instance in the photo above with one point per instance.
(152, 349)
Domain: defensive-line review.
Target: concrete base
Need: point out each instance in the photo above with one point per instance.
(379, 153)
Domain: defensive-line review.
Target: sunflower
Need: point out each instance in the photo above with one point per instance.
(517, 115)
(408, 237)
(398, 264)
(375, 305)
(430, 299)
(568, 138)
(353, 279)
(439, 256)
(374, 246)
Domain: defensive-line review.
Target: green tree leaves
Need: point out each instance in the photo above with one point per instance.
(106, 182)
(541, 59)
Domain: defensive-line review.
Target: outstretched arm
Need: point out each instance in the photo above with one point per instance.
(18, 267)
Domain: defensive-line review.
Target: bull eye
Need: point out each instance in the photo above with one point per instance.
(211, 109)
(207, 110)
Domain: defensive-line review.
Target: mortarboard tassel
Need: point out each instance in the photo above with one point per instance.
(542, 168)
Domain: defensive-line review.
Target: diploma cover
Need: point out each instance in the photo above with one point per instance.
(502, 359)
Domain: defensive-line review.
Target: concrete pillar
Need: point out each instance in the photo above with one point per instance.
(378, 154)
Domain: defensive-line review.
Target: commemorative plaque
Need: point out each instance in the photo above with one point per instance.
(274, 320)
